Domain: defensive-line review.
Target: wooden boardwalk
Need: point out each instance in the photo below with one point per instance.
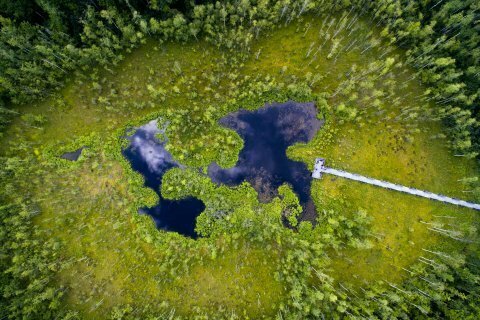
(320, 168)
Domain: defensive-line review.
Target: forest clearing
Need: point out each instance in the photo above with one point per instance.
(157, 156)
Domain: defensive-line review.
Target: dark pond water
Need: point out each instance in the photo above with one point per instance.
(148, 156)
(72, 156)
(267, 133)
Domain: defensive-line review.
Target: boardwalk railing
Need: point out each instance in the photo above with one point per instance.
(320, 168)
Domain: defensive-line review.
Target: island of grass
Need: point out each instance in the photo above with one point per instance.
(156, 160)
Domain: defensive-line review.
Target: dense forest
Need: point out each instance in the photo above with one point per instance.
(396, 86)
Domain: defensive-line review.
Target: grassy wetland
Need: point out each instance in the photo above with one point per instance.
(394, 103)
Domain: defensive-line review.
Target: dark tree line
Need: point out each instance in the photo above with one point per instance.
(63, 15)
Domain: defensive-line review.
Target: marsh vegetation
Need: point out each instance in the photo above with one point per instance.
(209, 117)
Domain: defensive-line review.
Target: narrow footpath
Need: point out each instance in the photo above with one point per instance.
(320, 168)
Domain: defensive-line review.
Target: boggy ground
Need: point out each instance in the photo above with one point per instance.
(90, 205)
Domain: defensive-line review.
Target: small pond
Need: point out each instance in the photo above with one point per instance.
(263, 162)
(72, 156)
(148, 156)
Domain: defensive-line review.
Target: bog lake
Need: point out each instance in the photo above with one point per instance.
(263, 162)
